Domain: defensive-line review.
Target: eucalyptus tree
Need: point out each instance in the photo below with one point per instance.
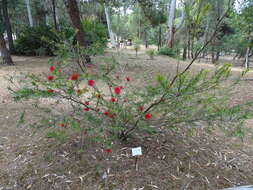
(29, 12)
(4, 52)
(7, 25)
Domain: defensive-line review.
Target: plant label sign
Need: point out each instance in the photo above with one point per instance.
(136, 151)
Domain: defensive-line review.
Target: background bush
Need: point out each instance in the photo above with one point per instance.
(43, 40)
(97, 34)
(39, 40)
(171, 52)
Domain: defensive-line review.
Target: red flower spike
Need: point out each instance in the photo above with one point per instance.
(86, 109)
(148, 116)
(111, 116)
(113, 99)
(50, 78)
(91, 82)
(50, 90)
(128, 79)
(141, 108)
(78, 91)
(87, 103)
(117, 90)
(108, 150)
(61, 125)
(52, 68)
(59, 70)
(106, 113)
(74, 76)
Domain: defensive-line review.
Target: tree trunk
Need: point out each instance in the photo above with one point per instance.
(246, 63)
(185, 51)
(160, 38)
(205, 38)
(189, 47)
(54, 15)
(7, 25)
(28, 5)
(81, 36)
(171, 17)
(5, 54)
(108, 20)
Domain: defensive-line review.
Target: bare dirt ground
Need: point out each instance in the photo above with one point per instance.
(29, 160)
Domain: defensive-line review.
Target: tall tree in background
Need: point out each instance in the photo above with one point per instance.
(29, 11)
(171, 18)
(54, 14)
(7, 25)
(5, 54)
(108, 20)
(81, 36)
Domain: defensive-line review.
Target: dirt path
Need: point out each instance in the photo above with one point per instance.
(18, 144)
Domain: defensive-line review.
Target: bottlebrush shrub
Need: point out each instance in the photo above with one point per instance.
(105, 106)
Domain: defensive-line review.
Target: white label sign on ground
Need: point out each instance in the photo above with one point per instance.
(136, 151)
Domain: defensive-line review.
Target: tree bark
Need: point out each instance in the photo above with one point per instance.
(247, 58)
(73, 12)
(54, 15)
(171, 18)
(28, 6)
(108, 20)
(160, 38)
(7, 25)
(6, 56)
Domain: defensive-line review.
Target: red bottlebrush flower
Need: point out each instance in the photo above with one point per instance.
(148, 116)
(141, 108)
(86, 109)
(87, 103)
(106, 113)
(50, 90)
(61, 125)
(108, 150)
(111, 116)
(59, 70)
(50, 78)
(78, 91)
(91, 82)
(117, 90)
(113, 99)
(127, 79)
(52, 68)
(74, 76)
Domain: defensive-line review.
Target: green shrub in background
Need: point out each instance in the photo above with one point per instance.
(97, 34)
(39, 40)
(44, 40)
(171, 52)
(151, 53)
